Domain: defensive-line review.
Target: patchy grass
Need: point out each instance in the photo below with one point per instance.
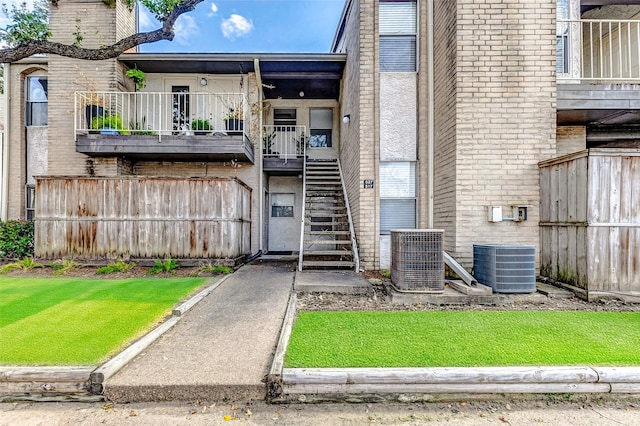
(58, 321)
(465, 339)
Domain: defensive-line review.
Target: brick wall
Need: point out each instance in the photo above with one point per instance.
(505, 116)
(99, 25)
(570, 139)
(358, 147)
(445, 61)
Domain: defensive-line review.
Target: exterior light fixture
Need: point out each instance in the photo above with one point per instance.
(346, 118)
(301, 93)
(203, 81)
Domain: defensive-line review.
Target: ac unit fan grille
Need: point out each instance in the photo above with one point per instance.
(417, 260)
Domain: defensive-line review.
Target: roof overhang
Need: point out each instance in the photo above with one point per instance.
(283, 75)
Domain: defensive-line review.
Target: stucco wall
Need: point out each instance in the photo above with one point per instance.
(398, 120)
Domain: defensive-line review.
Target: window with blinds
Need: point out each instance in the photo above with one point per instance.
(397, 196)
(562, 37)
(398, 34)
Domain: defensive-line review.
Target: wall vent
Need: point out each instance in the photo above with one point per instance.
(505, 268)
(417, 260)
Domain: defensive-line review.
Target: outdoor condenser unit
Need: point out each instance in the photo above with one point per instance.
(505, 268)
(417, 260)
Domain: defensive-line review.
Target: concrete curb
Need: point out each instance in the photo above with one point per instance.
(290, 385)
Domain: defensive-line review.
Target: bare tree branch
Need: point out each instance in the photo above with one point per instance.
(34, 47)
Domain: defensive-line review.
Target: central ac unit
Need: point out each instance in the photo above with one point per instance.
(417, 260)
(505, 268)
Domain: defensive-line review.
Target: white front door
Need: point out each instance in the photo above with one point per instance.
(285, 207)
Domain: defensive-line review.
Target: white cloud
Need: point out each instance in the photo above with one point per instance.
(184, 29)
(214, 9)
(145, 21)
(236, 26)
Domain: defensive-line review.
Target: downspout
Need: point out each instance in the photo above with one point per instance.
(256, 66)
(430, 115)
(4, 199)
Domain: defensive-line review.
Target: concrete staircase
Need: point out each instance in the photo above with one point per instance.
(327, 238)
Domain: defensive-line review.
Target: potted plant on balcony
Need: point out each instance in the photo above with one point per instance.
(109, 125)
(234, 122)
(201, 127)
(138, 77)
(267, 143)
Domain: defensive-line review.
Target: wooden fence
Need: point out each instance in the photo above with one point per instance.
(590, 219)
(142, 217)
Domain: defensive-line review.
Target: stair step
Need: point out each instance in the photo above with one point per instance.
(309, 214)
(315, 187)
(337, 223)
(328, 242)
(325, 207)
(328, 253)
(329, 233)
(323, 172)
(325, 199)
(328, 263)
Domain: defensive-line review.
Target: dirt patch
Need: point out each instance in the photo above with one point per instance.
(379, 300)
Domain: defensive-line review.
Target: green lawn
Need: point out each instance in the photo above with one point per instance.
(58, 321)
(472, 338)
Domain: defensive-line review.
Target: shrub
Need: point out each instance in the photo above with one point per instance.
(118, 266)
(216, 269)
(65, 266)
(16, 239)
(25, 264)
(167, 265)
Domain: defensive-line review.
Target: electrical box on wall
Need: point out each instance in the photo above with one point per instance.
(494, 213)
(519, 213)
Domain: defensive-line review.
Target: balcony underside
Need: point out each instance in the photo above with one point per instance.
(168, 147)
(598, 104)
(282, 166)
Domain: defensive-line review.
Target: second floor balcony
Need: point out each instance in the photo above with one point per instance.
(598, 51)
(162, 126)
(598, 71)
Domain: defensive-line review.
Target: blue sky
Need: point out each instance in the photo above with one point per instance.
(260, 26)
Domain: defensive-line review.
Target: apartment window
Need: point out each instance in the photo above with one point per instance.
(398, 34)
(30, 202)
(562, 37)
(284, 117)
(321, 124)
(397, 195)
(282, 205)
(37, 102)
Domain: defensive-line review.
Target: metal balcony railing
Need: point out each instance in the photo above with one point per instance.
(161, 113)
(598, 50)
(284, 141)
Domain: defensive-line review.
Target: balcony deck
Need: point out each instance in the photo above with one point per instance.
(212, 147)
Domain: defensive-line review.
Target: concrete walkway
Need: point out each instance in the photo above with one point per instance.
(220, 350)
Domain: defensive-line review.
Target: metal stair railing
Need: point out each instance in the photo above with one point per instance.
(354, 243)
(304, 204)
